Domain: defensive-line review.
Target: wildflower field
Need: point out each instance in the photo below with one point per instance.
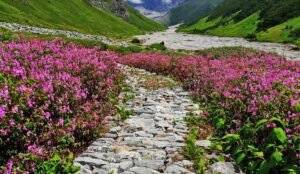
(251, 99)
(54, 96)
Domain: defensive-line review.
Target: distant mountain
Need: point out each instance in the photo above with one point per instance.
(120, 8)
(263, 20)
(154, 8)
(190, 11)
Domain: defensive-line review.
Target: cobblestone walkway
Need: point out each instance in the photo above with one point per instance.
(149, 142)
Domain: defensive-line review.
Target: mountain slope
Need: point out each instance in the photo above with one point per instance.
(142, 22)
(190, 11)
(154, 9)
(75, 15)
(155, 5)
(254, 19)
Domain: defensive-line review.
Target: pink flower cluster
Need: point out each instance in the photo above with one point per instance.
(53, 97)
(151, 62)
(239, 90)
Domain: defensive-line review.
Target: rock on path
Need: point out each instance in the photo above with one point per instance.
(150, 141)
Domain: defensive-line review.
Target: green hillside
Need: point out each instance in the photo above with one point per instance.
(230, 28)
(142, 22)
(263, 20)
(75, 15)
(190, 11)
(286, 32)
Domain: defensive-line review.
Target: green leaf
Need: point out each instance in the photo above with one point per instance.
(261, 123)
(297, 106)
(220, 123)
(274, 119)
(219, 147)
(266, 166)
(56, 157)
(280, 134)
(291, 170)
(259, 154)
(276, 157)
(240, 157)
(232, 137)
(252, 148)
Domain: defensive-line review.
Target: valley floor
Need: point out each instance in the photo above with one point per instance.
(184, 41)
(171, 39)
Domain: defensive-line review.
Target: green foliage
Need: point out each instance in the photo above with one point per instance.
(217, 53)
(267, 157)
(252, 19)
(127, 50)
(128, 96)
(74, 15)
(273, 12)
(285, 32)
(191, 11)
(142, 22)
(158, 46)
(5, 35)
(195, 153)
(295, 33)
(123, 112)
(57, 165)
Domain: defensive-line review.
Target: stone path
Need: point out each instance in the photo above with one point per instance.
(150, 141)
(71, 34)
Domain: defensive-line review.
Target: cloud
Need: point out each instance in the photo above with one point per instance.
(136, 1)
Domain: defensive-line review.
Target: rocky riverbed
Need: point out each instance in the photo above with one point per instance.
(184, 41)
(152, 140)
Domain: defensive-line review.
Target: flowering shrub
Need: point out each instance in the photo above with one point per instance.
(252, 101)
(53, 98)
(151, 62)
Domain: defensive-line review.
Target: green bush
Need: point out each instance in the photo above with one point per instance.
(159, 46)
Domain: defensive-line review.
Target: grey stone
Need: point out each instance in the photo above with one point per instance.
(153, 164)
(115, 129)
(111, 135)
(222, 168)
(143, 134)
(110, 166)
(203, 143)
(128, 172)
(143, 170)
(175, 169)
(141, 123)
(99, 171)
(90, 161)
(161, 144)
(126, 165)
(129, 155)
(153, 155)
